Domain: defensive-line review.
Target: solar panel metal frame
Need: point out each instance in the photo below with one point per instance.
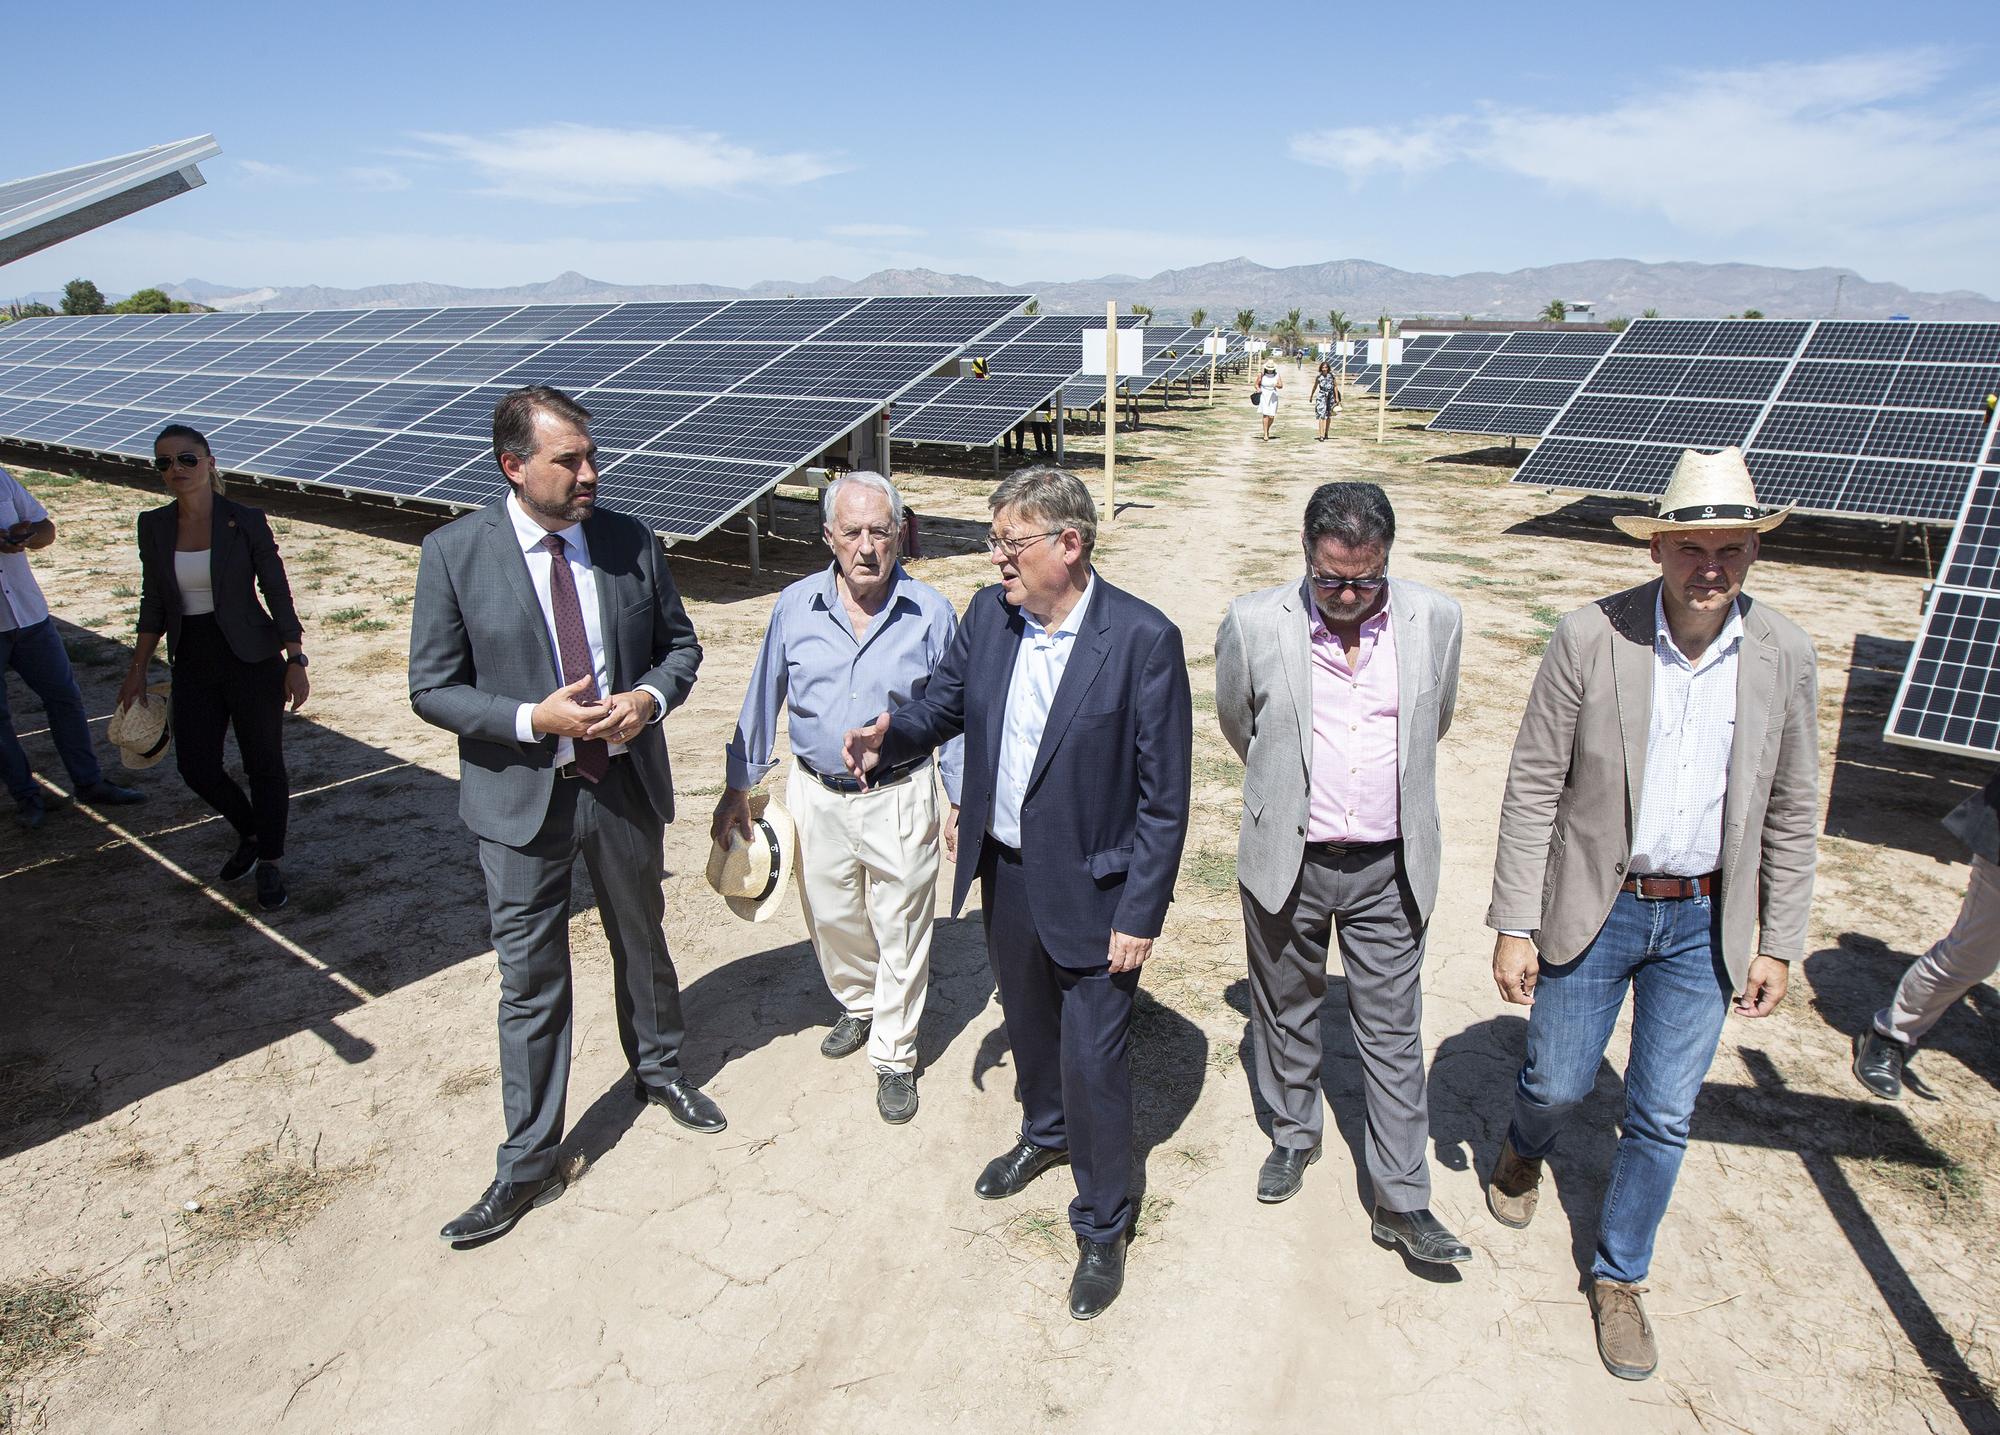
(1901, 464)
(405, 435)
(46, 209)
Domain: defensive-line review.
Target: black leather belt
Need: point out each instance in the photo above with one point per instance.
(1669, 889)
(1349, 849)
(849, 785)
(568, 769)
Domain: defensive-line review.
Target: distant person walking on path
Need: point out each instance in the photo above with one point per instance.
(203, 560)
(1661, 808)
(1961, 959)
(1326, 397)
(31, 646)
(1268, 385)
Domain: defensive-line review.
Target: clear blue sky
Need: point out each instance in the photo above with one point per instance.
(503, 143)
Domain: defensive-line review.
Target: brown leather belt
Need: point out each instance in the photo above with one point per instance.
(1667, 889)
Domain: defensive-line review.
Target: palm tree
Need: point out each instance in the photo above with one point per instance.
(1649, 313)
(1312, 326)
(1618, 325)
(1144, 311)
(1246, 320)
(1338, 325)
(1555, 311)
(1198, 319)
(1753, 313)
(1032, 307)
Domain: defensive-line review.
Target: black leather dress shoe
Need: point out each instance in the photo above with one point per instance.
(1422, 1235)
(1100, 1275)
(1878, 1063)
(504, 1203)
(685, 1103)
(1284, 1171)
(1010, 1174)
(109, 794)
(240, 861)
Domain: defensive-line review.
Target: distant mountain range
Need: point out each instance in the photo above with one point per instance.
(1360, 288)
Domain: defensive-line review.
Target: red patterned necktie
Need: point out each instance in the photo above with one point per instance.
(592, 757)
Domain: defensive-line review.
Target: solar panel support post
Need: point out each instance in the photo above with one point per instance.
(750, 523)
(1062, 412)
(1213, 335)
(1382, 389)
(1110, 409)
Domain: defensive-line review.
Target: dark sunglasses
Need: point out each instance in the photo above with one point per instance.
(1362, 586)
(163, 462)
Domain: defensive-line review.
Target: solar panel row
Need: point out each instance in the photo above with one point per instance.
(1029, 359)
(1523, 384)
(1857, 417)
(699, 407)
(1444, 370)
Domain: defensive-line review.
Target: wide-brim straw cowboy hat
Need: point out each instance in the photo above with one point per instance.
(750, 875)
(1708, 490)
(141, 732)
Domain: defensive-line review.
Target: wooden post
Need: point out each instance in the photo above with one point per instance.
(1110, 410)
(1382, 390)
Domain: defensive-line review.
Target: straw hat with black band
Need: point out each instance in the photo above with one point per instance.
(141, 732)
(750, 874)
(1707, 491)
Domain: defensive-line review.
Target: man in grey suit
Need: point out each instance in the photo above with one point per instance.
(1334, 690)
(1658, 836)
(549, 636)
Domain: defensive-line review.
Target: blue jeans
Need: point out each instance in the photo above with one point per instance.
(36, 653)
(1670, 954)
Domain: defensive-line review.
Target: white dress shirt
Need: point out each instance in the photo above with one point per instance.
(532, 536)
(21, 601)
(1688, 738)
(1039, 664)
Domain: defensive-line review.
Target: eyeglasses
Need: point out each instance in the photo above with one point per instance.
(1014, 547)
(1363, 587)
(163, 461)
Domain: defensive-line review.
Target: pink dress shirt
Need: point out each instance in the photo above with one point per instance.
(1355, 790)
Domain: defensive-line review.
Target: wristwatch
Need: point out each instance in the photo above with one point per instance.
(299, 658)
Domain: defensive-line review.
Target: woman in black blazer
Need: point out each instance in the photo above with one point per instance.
(204, 559)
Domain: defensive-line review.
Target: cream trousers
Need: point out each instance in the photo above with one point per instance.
(1961, 959)
(867, 875)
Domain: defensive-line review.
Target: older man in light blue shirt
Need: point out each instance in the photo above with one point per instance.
(842, 646)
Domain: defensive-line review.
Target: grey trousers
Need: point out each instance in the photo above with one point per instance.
(613, 826)
(1361, 897)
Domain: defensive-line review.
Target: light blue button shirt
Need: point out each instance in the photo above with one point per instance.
(1039, 664)
(831, 681)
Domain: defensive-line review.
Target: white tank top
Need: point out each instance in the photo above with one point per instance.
(191, 574)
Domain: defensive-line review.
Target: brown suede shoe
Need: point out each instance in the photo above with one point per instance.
(1624, 1335)
(1511, 1191)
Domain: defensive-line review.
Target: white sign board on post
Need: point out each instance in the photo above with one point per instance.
(1131, 352)
(1255, 346)
(1215, 344)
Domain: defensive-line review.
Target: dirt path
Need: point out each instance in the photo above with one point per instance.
(324, 1084)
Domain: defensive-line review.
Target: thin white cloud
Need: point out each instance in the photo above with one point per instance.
(874, 231)
(260, 171)
(380, 177)
(1856, 146)
(567, 163)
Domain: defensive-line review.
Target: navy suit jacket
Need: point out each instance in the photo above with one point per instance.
(1106, 811)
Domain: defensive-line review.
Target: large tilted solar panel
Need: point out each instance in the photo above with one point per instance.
(1029, 359)
(1416, 352)
(46, 209)
(1949, 698)
(698, 407)
(1445, 370)
(1523, 386)
(1866, 418)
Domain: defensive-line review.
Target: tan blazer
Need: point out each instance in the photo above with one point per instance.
(1264, 701)
(1579, 766)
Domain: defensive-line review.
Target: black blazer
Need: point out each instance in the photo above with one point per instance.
(242, 559)
(1106, 811)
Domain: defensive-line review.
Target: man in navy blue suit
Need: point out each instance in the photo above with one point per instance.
(1073, 698)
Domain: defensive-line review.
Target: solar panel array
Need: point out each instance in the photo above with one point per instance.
(1029, 359)
(1949, 699)
(1415, 352)
(1445, 370)
(698, 407)
(45, 209)
(1878, 419)
(1524, 384)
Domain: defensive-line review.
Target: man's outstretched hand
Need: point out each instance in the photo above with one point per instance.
(862, 748)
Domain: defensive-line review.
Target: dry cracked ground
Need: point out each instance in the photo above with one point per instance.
(322, 1083)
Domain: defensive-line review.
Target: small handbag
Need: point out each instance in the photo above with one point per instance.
(1256, 398)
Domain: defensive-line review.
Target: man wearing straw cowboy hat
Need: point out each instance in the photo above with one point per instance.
(1657, 834)
(843, 645)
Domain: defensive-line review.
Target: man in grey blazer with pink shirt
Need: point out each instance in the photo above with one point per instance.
(1334, 690)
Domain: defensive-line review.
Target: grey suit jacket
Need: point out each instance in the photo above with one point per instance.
(1579, 766)
(479, 648)
(1263, 700)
